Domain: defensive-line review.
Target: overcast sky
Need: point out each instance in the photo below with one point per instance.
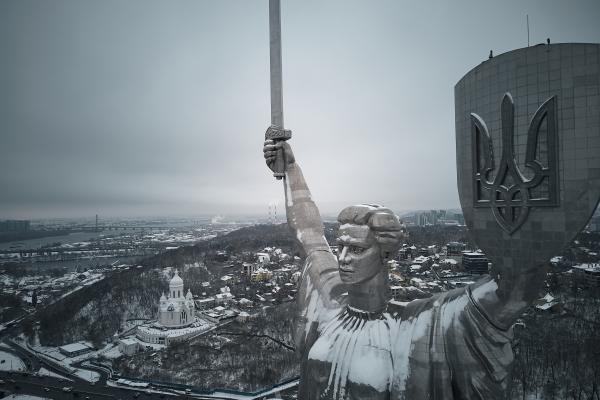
(160, 107)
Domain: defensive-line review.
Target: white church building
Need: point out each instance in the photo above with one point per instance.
(176, 310)
(176, 320)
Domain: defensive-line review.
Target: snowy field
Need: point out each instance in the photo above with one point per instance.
(10, 362)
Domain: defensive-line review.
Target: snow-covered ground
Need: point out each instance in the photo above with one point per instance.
(24, 397)
(90, 376)
(10, 362)
(87, 282)
(111, 353)
(44, 372)
(154, 329)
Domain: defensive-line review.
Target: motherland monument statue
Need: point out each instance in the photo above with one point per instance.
(357, 343)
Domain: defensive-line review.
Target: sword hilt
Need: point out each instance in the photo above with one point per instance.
(276, 134)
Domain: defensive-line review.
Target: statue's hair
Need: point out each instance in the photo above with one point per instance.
(384, 224)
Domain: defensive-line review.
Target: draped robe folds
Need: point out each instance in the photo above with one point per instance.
(440, 348)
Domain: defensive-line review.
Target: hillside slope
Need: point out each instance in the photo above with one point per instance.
(97, 312)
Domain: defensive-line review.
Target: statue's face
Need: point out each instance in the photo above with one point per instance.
(359, 257)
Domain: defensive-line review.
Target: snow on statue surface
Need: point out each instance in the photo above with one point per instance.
(366, 346)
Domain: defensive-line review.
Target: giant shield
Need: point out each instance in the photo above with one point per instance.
(528, 150)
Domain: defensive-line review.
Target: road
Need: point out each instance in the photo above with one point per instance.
(51, 387)
(37, 385)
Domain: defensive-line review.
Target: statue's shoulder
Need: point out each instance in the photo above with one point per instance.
(395, 308)
(404, 310)
(410, 309)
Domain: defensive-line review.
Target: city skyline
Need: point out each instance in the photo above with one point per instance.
(149, 108)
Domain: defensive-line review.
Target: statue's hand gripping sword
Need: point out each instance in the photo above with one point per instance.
(276, 131)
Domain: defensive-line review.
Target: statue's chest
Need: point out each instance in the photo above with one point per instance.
(351, 359)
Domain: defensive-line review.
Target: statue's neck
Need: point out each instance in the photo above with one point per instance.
(370, 296)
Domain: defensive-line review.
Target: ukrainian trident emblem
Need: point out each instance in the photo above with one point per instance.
(507, 190)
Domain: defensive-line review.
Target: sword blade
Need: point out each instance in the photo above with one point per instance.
(275, 57)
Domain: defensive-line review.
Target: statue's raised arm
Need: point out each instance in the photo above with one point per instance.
(302, 213)
(321, 288)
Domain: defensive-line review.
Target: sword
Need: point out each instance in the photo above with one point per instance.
(276, 132)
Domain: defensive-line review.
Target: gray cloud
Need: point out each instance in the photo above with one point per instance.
(160, 107)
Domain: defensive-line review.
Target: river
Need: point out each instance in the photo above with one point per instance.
(71, 265)
(75, 237)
